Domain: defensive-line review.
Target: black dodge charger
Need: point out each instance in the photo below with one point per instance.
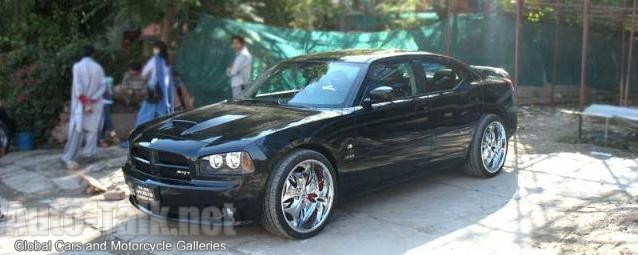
(317, 128)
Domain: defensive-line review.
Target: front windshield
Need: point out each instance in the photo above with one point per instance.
(323, 84)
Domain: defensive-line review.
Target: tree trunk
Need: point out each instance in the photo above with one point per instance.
(343, 12)
(167, 23)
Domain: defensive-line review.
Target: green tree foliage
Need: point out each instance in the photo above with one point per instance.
(312, 14)
(39, 39)
(38, 43)
(401, 14)
(539, 10)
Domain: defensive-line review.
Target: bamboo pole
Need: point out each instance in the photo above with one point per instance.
(555, 61)
(622, 56)
(448, 33)
(517, 39)
(622, 66)
(583, 66)
(630, 53)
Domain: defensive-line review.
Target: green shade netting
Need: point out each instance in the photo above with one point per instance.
(476, 39)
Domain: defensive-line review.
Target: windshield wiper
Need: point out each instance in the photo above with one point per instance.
(257, 101)
(279, 102)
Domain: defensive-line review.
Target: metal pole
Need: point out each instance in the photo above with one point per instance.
(583, 66)
(555, 64)
(622, 55)
(630, 53)
(448, 33)
(517, 35)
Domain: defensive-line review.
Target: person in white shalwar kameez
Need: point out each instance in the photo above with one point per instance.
(86, 109)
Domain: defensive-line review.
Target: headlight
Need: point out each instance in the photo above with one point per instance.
(233, 159)
(226, 163)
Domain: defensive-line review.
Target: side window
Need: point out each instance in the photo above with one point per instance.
(439, 76)
(398, 75)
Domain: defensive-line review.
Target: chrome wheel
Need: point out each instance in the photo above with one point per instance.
(494, 147)
(307, 194)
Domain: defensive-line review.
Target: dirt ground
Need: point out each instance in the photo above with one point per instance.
(554, 196)
(606, 224)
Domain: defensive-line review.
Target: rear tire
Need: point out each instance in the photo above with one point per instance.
(300, 195)
(488, 150)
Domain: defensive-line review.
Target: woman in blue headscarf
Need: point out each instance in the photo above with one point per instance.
(159, 96)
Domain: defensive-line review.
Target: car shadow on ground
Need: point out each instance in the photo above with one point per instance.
(394, 219)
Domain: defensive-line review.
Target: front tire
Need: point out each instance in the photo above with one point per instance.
(488, 149)
(300, 195)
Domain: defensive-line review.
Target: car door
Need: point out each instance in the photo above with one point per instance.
(381, 143)
(453, 106)
(421, 121)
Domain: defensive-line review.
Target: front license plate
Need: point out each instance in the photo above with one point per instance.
(144, 194)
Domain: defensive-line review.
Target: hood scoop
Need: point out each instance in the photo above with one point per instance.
(185, 124)
(176, 124)
(217, 121)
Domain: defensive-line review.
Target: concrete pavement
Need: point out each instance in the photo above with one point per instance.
(548, 194)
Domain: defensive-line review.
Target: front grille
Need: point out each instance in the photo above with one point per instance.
(161, 163)
(141, 153)
(142, 166)
(171, 159)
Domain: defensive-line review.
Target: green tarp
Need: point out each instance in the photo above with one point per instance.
(476, 39)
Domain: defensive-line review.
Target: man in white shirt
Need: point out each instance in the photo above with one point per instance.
(239, 71)
(86, 116)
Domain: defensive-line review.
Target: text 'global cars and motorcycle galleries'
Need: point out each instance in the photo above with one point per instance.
(115, 245)
(315, 129)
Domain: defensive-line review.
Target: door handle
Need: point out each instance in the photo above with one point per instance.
(422, 107)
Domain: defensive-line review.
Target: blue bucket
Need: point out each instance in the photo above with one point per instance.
(24, 141)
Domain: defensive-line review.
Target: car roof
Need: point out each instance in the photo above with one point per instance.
(360, 55)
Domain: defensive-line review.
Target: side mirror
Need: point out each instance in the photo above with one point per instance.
(382, 93)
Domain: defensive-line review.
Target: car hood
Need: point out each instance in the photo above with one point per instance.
(231, 122)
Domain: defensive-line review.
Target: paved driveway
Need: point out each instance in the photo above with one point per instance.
(551, 198)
